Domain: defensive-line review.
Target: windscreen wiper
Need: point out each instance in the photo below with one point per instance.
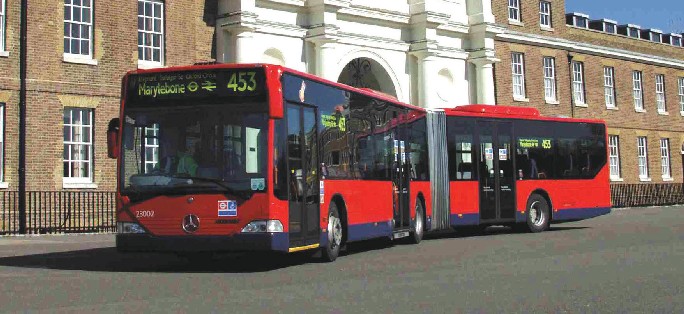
(222, 184)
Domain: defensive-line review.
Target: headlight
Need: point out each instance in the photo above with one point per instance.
(263, 226)
(128, 227)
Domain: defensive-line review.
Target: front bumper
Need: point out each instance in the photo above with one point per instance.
(235, 243)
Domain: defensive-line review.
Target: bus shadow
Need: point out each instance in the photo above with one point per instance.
(109, 260)
(468, 232)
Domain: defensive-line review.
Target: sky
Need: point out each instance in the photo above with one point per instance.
(666, 15)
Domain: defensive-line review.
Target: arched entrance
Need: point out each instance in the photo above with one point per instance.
(367, 73)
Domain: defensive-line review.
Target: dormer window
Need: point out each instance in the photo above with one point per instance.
(653, 35)
(630, 30)
(577, 19)
(676, 40)
(604, 25)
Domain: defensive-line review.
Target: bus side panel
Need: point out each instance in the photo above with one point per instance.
(464, 200)
(368, 204)
(421, 187)
(565, 200)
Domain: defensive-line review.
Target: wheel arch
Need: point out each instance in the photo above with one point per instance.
(546, 196)
(338, 199)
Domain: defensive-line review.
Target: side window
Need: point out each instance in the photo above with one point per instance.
(460, 149)
(581, 150)
(361, 134)
(417, 148)
(534, 150)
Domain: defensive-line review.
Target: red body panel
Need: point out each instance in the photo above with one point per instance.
(464, 197)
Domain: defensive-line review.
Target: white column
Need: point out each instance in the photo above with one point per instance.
(485, 84)
(325, 60)
(222, 46)
(244, 52)
(426, 80)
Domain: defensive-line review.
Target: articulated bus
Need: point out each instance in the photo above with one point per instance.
(257, 157)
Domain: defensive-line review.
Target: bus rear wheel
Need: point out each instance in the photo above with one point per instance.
(537, 214)
(419, 224)
(335, 234)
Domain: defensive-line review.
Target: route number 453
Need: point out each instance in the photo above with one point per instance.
(242, 81)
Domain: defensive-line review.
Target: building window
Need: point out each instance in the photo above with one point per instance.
(638, 91)
(676, 41)
(514, 10)
(78, 145)
(656, 37)
(609, 28)
(2, 27)
(151, 31)
(549, 79)
(614, 150)
(660, 93)
(2, 142)
(665, 157)
(545, 13)
(609, 86)
(643, 157)
(681, 94)
(518, 68)
(78, 27)
(578, 82)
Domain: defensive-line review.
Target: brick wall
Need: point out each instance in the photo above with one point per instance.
(624, 121)
(54, 83)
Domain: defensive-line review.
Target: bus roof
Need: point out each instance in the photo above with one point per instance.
(278, 69)
(510, 112)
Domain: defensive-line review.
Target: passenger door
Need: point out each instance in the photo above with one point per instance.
(303, 177)
(496, 171)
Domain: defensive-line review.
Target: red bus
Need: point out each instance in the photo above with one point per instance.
(256, 157)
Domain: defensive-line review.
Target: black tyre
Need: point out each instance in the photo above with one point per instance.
(419, 224)
(537, 213)
(335, 235)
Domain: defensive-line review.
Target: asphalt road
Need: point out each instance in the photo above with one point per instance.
(631, 261)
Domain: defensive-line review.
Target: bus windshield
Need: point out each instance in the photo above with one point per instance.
(194, 148)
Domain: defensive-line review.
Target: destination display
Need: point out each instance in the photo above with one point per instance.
(220, 83)
(544, 143)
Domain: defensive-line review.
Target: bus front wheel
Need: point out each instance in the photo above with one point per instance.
(335, 234)
(537, 213)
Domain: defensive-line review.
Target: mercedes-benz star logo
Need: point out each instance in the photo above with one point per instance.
(190, 223)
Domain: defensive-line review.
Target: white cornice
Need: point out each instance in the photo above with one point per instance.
(376, 14)
(374, 42)
(558, 43)
(296, 3)
(270, 27)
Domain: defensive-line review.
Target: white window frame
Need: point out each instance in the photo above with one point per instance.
(550, 80)
(665, 158)
(609, 87)
(638, 91)
(3, 15)
(518, 72)
(642, 156)
(514, 11)
(152, 27)
(545, 14)
(578, 83)
(680, 82)
(151, 147)
(71, 24)
(76, 146)
(660, 93)
(614, 157)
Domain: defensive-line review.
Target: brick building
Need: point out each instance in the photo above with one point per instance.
(576, 66)
(77, 52)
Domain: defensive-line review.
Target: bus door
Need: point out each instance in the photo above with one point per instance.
(496, 170)
(303, 177)
(401, 176)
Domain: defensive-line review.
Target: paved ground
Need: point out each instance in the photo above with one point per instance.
(629, 261)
